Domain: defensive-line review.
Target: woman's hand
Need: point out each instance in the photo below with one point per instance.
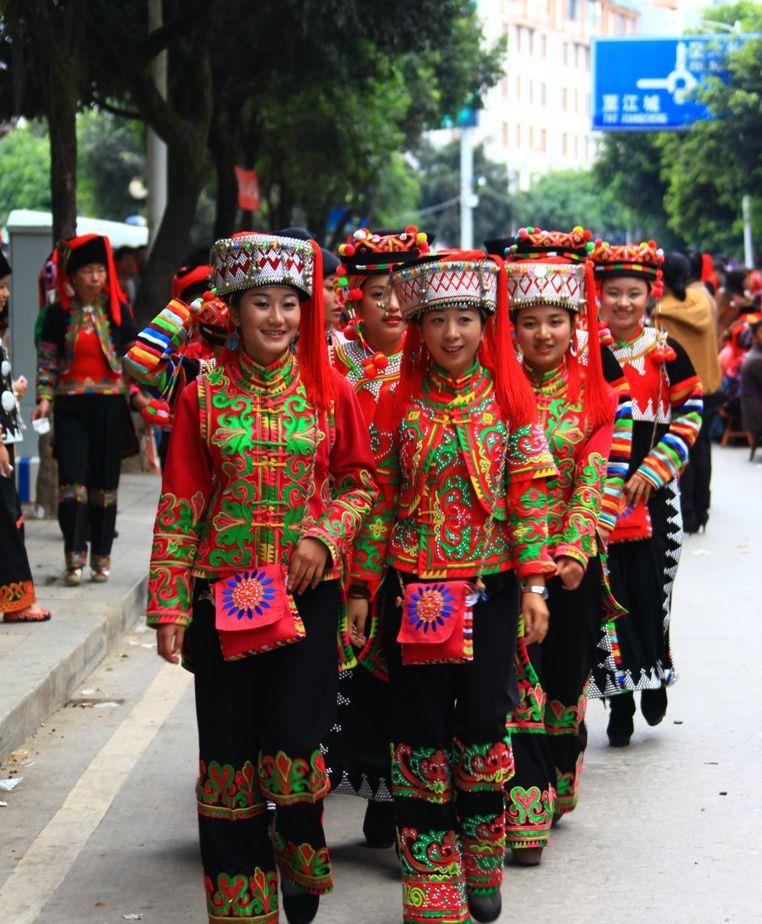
(637, 489)
(534, 612)
(6, 469)
(19, 386)
(603, 534)
(42, 410)
(357, 616)
(570, 571)
(169, 642)
(307, 565)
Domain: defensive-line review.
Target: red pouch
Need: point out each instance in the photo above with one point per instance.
(437, 623)
(634, 523)
(255, 613)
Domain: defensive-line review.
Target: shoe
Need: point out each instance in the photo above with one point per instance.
(620, 727)
(653, 705)
(73, 577)
(33, 613)
(99, 575)
(526, 856)
(380, 825)
(485, 907)
(299, 907)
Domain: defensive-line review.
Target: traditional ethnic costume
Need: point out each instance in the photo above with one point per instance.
(644, 548)
(80, 370)
(17, 596)
(357, 750)
(461, 473)
(589, 432)
(260, 458)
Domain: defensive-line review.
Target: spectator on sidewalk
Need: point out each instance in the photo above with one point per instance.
(17, 596)
(126, 263)
(685, 313)
(751, 383)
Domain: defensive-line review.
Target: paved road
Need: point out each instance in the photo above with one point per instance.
(102, 825)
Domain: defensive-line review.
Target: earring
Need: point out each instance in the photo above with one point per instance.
(573, 345)
(232, 342)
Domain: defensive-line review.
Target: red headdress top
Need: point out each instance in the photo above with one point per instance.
(643, 261)
(191, 281)
(249, 259)
(77, 252)
(552, 268)
(533, 243)
(475, 281)
(372, 253)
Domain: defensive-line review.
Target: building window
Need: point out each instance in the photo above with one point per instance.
(544, 45)
(543, 93)
(565, 144)
(566, 54)
(543, 140)
(572, 9)
(530, 41)
(518, 135)
(518, 87)
(531, 90)
(564, 99)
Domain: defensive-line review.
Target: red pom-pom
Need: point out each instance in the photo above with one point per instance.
(380, 361)
(349, 250)
(411, 229)
(156, 413)
(341, 270)
(588, 235)
(652, 244)
(658, 356)
(669, 355)
(208, 296)
(370, 370)
(604, 337)
(355, 295)
(424, 248)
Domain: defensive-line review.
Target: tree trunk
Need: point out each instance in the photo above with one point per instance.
(186, 180)
(222, 147)
(62, 126)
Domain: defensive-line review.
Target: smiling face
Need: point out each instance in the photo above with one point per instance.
(5, 291)
(89, 281)
(379, 312)
(623, 305)
(453, 337)
(267, 319)
(544, 333)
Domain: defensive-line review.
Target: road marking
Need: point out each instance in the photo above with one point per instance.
(44, 866)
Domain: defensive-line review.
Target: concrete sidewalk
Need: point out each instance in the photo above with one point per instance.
(42, 664)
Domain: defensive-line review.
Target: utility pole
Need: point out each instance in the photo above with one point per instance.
(156, 149)
(467, 198)
(748, 243)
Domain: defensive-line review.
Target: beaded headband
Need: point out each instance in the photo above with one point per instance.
(533, 243)
(368, 253)
(250, 259)
(643, 261)
(560, 284)
(439, 284)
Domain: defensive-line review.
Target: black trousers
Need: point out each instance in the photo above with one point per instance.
(696, 478)
(89, 442)
(16, 585)
(451, 758)
(547, 727)
(260, 722)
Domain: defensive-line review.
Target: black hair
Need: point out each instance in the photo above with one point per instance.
(735, 279)
(677, 271)
(696, 264)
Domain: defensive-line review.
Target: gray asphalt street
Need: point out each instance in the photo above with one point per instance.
(102, 828)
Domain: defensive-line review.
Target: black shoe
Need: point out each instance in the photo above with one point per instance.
(653, 705)
(300, 908)
(620, 727)
(485, 907)
(379, 826)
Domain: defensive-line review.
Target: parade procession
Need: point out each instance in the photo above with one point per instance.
(357, 564)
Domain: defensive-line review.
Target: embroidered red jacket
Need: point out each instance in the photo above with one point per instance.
(252, 469)
(440, 477)
(588, 461)
(350, 357)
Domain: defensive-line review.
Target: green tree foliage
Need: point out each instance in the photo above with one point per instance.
(565, 199)
(24, 170)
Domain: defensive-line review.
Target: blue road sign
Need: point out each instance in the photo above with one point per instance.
(649, 84)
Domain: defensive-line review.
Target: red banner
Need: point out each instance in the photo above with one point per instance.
(248, 189)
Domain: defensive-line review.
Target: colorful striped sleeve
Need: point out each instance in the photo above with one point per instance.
(153, 357)
(621, 443)
(669, 456)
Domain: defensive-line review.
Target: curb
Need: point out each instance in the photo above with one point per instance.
(55, 685)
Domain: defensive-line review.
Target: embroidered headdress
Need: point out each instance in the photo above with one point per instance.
(250, 259)
(77, 252)
(464, 279)
(643, 261)
(554, 268)
(372, 253)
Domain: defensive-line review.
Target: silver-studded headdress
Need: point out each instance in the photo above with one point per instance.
(538, 283)
(251, 259)
(435, 285)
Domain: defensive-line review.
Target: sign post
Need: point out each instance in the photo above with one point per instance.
(650, 84)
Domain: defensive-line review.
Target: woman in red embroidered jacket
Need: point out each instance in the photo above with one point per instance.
(269, 472)
(589, 430)
(369, 353)
(80, 380)
(461, 511)
(646, 542)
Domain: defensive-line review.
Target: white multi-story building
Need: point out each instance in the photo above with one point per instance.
(537, 118)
